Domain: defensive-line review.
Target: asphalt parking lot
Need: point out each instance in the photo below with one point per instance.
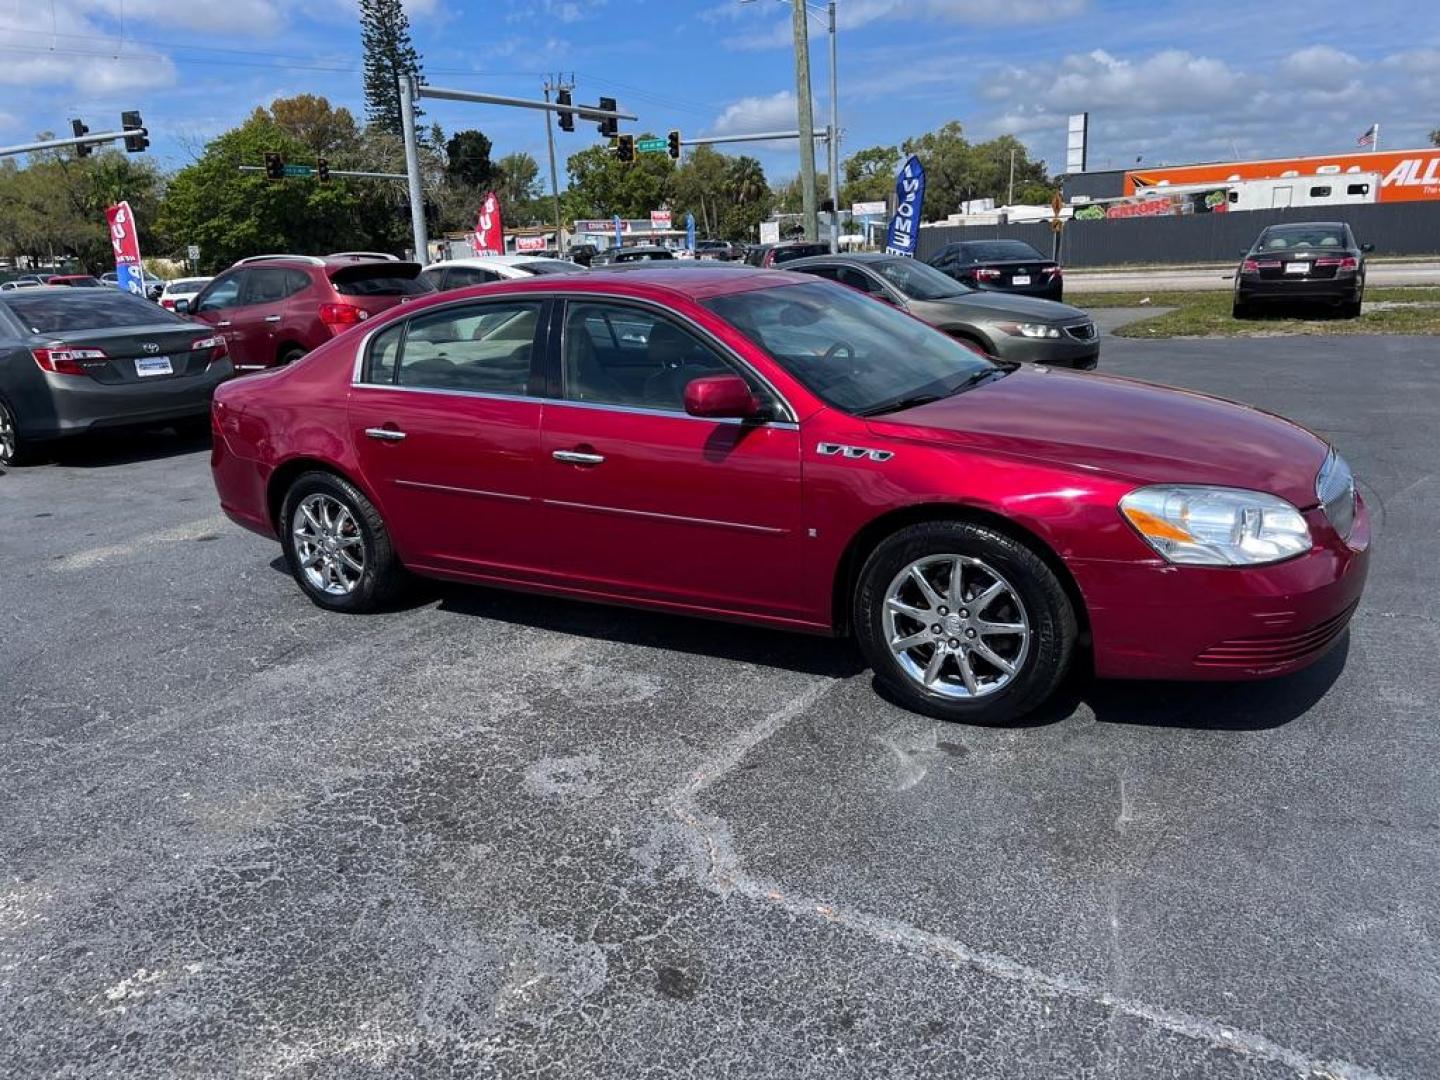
(494, 835)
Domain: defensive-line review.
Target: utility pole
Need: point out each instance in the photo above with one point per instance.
(412, 170)
(806, 120)
(1010, 199)
(834, 142)
(554, 175)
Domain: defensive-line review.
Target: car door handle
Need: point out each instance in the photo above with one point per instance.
(225, 322)
(385, 434)
(577, 457)
(272, 318)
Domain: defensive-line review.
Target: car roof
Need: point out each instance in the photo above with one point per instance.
(1305, 225)
(685, 282)
(844, 257)
(491, 260)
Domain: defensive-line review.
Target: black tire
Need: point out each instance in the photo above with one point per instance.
(1241, 310)
(1050, 615)
(290, 355)
(1351, 308)
(383, 577)
(15, 449)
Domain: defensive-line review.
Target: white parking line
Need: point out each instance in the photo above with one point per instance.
(193, 530)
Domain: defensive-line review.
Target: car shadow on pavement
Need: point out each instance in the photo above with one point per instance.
(98, 450)
(1216, 706)
(831, 657)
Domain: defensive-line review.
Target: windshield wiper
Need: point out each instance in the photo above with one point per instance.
(975, 378)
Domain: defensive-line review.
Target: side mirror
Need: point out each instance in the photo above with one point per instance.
(1367, 248)
(720, 397)
(182, 306)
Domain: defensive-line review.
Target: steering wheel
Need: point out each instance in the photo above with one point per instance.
(838, 348)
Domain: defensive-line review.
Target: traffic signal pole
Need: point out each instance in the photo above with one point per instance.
(78, 140)
(411, 90)
(554, 174)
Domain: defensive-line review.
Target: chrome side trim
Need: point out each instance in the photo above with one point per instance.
(635, 410)
(623, 512)
(448, 489)
(486, 395)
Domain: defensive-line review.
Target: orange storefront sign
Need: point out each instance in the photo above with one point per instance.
(1405, 175)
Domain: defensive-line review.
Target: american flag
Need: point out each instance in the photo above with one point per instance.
(1368, 138)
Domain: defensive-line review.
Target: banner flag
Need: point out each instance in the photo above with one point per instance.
(129, 273)
(909, 200)
(489, 232)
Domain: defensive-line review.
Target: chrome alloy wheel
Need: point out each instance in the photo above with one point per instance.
(9, 437)
(955, 626)
(328, 544)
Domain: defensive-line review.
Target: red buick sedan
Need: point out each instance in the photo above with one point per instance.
(771, 448)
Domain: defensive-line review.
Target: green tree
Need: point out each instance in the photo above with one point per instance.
(957, 170)
(727, 195)
(467, 155)
(869, 175)
(230, 214)
(326, 131)
(389, 55)
(517, 183)
(601, 185)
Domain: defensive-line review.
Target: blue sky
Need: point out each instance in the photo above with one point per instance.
(1171, 81)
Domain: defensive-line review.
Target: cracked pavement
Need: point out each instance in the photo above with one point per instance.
(498, 835)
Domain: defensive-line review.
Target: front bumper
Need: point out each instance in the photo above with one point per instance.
(1157, 621)
(1062, 352)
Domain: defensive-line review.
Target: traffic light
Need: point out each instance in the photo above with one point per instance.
(674, 141)
(607, 125)
(131, 121)
(625, 148)
(274, 166)
(567, 119)
(322, 170)
(79, 128)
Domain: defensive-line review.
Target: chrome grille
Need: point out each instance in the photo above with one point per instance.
(1335, 488)
(1084, 331)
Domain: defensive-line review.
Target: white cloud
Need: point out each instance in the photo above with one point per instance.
(252, 17)
(854, 14)
(775, 112)
(1319, 66)
(72, 49)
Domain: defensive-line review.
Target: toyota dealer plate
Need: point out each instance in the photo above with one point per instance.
(153, 365)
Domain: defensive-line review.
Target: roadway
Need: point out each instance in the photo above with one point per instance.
(1186, 279)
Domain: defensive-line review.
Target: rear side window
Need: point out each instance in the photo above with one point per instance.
(480, 348)
(97, 309)
(384, 351)
(458, 277)
(273, 285)
(380, 279)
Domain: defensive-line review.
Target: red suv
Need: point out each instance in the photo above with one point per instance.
(273, 309)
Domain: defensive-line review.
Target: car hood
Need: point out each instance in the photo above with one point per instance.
(996, 305)
(1124, 428)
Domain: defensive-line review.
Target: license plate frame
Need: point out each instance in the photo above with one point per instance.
(1297, 268)
(1020, 279)
(149, 367)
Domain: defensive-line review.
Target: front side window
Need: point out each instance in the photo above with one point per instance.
(852, 353)
(480, 348)
(223, 293)
(858, 279)
(917, 280)
(618, 355)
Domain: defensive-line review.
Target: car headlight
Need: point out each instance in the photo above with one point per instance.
(1216, 526)
(1031, 330)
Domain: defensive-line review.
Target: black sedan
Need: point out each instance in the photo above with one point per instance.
(1020, 328)
(1011, 266)
(76, 359)
(639, 253)
(1303, 262)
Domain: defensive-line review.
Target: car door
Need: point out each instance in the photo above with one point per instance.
(445, 421)
(645, 501)
(263, 311)
(218, 306)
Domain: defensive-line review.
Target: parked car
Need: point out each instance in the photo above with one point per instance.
(154, 286)
(778, 449)
(273, 309)
(71, 361)
(582, 253)
(639, 253)
(1019, 328)
(75, 281)
(1002, 266)
(755, 253)
(482, 269)
(19, 283)
(182, 289)
(1314, 262)
(722, 250)
(779, 254)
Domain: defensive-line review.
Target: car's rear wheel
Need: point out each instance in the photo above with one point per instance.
(1241, 310)
(1351, 308)
(290, 355)
(13, 449)
(337, 545)
(963, 622)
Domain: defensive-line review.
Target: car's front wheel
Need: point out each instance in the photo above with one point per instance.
(964, 622)
(337, 545)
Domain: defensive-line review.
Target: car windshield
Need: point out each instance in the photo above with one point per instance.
(1283, 237)
(918, 280)
(61, 312)
(997, 251)
(848, 350)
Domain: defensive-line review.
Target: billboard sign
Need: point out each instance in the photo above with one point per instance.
(1405, 175)
(529, 243)
(1077, 143)
(660, 219)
